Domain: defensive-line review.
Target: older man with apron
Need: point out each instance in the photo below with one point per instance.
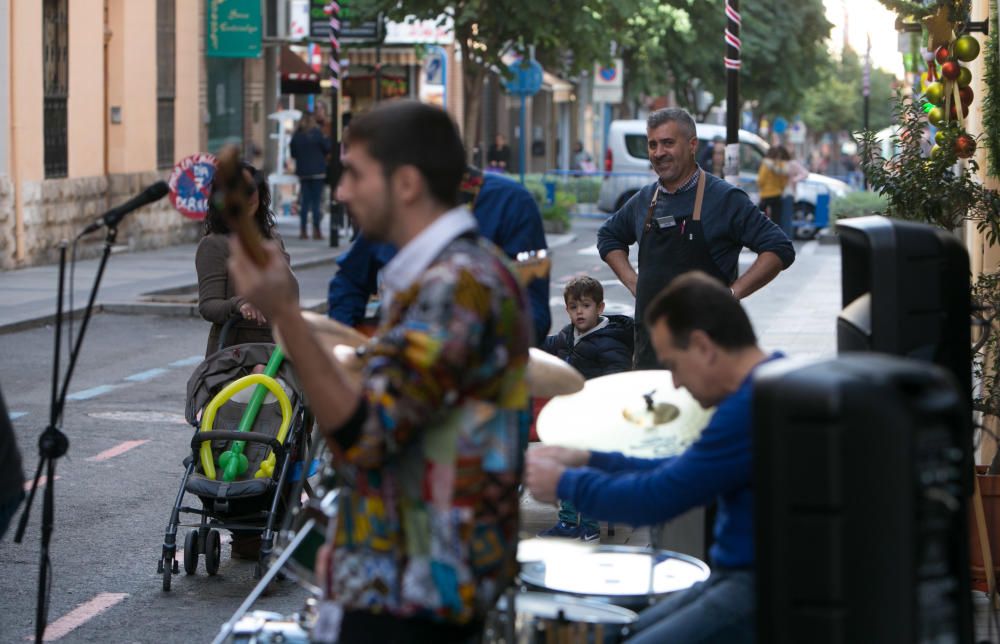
(687, 220)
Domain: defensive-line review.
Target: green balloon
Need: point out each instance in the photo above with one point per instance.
(934, 93)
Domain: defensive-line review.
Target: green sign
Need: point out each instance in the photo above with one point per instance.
(233, 28)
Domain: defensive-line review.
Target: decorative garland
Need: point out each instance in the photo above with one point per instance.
(991, 101)
(957, 9)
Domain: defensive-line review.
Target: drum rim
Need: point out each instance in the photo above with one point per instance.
(574, 600)
(659, 556)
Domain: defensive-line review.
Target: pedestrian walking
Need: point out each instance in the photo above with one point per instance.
(309, 148)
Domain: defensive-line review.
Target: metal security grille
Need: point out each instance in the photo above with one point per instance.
(55, 48)
(166, 58)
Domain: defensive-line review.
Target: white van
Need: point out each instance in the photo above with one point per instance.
(627, 168)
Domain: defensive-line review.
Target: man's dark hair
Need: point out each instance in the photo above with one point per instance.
(581, 287)
(676, 114)
(695, 301)
(406, 132)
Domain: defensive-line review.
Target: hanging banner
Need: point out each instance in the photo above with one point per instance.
(233, 28)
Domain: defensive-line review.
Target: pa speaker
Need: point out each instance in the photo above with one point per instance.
(861, 523)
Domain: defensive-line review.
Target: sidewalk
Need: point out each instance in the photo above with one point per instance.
(159, 281)
(162, 281)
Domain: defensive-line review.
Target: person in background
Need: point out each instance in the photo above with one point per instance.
(582, 161)
(11, 474)
(217, 298)
(595, 345)
(310, 148)
(498, 156)
(772, 177)
(704, 337)
(507, 215)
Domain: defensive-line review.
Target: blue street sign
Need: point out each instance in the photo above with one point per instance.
(526, 78)
(780, 125)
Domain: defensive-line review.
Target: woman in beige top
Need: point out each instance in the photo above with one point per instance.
(217, 299)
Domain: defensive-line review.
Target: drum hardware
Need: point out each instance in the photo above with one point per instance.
(543, 618)
(272, 572)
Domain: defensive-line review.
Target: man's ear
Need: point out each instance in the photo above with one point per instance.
(699, 341)
(406, 184)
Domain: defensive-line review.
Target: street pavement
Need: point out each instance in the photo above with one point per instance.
(128, 437)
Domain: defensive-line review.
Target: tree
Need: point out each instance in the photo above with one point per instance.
(835, 104)
(487, 30)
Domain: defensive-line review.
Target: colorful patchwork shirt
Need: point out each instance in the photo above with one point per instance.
(430, 463)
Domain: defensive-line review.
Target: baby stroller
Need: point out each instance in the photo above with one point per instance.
(254, 498)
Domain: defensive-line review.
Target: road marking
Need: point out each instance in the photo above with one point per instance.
(188, 362)
(143, 376)
(141, 417)
(93, 392)
(14, 415)
(81, 615)
(42, 480)
(117, 450)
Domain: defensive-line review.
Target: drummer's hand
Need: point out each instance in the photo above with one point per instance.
(542, 477)
(568, 456)
(270, 289)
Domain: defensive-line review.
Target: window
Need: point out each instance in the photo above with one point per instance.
(55, 70)
(225, 102)
(637, 145)
(166, 64)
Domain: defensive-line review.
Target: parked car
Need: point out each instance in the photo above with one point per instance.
(627, 169)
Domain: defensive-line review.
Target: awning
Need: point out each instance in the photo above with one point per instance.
(388, 56)
(297, 77)
(562, 91)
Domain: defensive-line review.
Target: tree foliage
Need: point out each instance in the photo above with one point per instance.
(835, 104)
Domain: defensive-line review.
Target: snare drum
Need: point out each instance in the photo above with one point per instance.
(316, 515)
(540, 618)
(621, 575)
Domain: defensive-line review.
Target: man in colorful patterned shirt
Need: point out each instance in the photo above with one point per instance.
(430, 445)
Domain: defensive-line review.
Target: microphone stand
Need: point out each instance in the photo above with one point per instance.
(53, 443)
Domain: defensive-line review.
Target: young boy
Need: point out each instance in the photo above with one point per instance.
(595, 345)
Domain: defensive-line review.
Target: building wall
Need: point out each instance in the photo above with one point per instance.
(26, 87)
(4, 89)
(187, 91)
(132, 85)
(85, 103)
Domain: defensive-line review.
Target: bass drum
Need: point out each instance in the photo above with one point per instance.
(318, 516)
(542, 618)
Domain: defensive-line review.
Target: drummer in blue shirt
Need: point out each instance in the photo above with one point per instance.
(507, 215)
(703, 336)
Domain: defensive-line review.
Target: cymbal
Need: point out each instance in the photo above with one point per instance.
(328, 331)
(611, 414)
(547, 375)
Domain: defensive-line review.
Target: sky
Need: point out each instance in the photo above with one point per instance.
(863, 17)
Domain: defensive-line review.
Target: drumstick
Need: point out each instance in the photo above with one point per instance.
(234, 192)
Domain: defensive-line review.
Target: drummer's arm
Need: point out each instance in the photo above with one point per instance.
(618, 462)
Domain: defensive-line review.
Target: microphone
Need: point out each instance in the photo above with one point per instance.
(112, 217)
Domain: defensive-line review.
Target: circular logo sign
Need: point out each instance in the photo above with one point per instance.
(607, 74)
(190, 184)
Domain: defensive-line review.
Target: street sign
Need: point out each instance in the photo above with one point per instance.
(526, 78)
(780, 125)
(233, 28)
(351, 29)
(608, 82)
(190, 184)
(797, 133)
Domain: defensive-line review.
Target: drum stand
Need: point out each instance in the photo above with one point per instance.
(272, 572)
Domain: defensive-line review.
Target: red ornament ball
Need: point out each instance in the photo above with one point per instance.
(965, 146)
(950, 70)
(942, 55)
(966, 94)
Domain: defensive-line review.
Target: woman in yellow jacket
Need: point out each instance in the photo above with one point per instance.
(772, 177)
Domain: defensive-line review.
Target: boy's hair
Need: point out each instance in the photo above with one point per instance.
(581, 287)
(695, 301)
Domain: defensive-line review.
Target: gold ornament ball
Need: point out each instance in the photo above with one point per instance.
(934, 93)
(940, 137)
(966, 48)
(964, 77)
(935, 116)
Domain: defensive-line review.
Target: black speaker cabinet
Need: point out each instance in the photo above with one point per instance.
(861, 515)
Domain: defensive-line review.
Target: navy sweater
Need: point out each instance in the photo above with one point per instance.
(641, 491)
(730, 221)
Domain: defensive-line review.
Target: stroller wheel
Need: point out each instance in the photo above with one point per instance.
(213, 552)
(167, 570)
(191, 552)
